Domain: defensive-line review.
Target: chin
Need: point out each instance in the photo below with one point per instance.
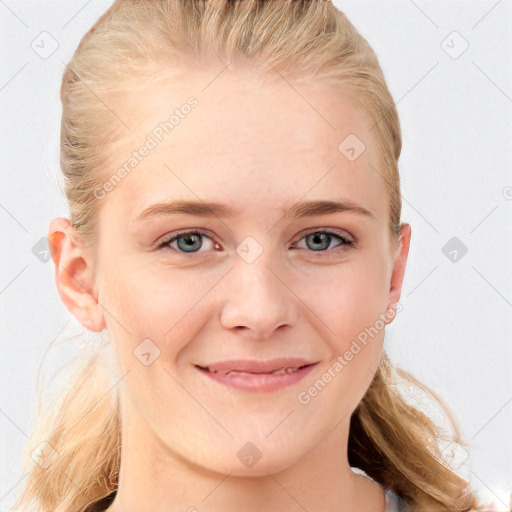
(261, 468)
(258, 458)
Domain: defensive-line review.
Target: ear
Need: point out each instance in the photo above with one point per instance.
(397, 275)
(74, 275)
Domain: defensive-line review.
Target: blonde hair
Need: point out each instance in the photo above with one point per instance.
(390, 439)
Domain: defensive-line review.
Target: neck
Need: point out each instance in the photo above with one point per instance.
(154, 479)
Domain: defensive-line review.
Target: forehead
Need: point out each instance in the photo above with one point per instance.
(213, 134)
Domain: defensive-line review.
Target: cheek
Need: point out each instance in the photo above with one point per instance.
(348, 298)
(350, 303)
(156, 303)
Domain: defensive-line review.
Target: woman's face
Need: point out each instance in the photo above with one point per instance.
(247, 167)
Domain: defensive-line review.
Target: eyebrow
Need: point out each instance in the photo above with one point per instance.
(297, 211)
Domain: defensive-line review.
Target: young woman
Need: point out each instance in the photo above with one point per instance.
(235, 235)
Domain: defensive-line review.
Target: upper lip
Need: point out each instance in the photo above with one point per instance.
(252, 366)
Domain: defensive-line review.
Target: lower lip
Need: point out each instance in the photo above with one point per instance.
(260, 382)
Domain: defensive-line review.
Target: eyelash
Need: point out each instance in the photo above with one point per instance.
(345, 242)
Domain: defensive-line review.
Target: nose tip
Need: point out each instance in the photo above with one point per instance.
(260, 329)
(257, 302)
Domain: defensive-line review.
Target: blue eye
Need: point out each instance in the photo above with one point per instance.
(321, 240)
(189, 242)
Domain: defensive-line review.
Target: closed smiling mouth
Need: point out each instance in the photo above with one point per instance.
(251, 375)
(242, 372)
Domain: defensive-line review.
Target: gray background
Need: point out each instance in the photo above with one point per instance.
(454, 331)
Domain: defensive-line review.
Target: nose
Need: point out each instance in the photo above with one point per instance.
(258, 300)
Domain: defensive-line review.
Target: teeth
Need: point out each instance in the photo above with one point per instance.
(236, 372)
(275, 372)
(285, 370)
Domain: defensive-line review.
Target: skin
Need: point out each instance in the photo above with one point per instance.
(259, 148)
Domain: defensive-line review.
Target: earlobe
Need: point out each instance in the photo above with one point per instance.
(399, 265)
(74, 275)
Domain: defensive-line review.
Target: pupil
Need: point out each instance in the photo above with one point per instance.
(191, 241)
(318, 238)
